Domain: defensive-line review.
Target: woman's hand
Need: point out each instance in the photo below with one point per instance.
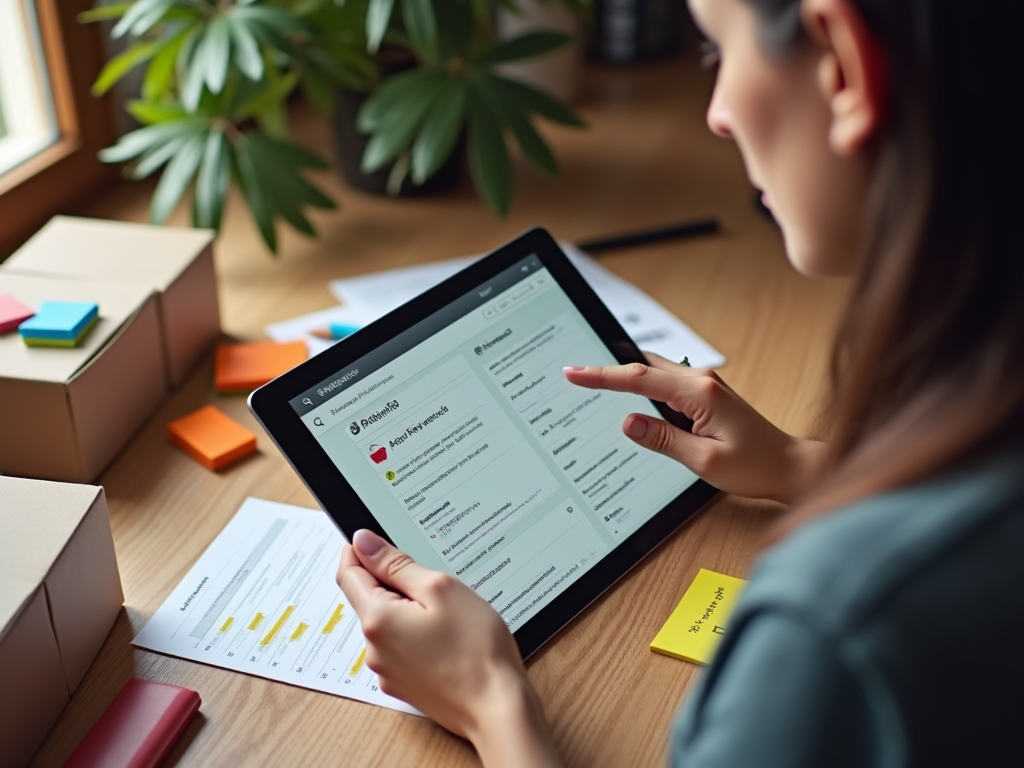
(732, 446)
(439, 646)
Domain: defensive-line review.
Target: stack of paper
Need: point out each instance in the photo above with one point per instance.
(369, 297)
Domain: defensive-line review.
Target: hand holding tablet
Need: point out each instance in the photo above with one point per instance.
(448, 428)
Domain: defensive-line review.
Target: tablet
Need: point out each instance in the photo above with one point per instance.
(448, 428)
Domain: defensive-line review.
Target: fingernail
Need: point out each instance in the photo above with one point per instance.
(571, 368)
(368, 542)
(636, 426)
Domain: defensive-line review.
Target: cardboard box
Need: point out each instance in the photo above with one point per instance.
(67, 412)
(59, 595)
(175, 262)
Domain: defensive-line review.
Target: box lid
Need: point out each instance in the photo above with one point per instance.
(38, 518)
(118, 302)
(69, 246)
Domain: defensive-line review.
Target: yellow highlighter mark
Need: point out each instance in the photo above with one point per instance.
(358, 666)
(269, 638)
(333, 621)
(299, 630)
(227, 624)
(256, 621)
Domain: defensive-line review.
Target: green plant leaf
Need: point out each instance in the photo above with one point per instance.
(272, 92)
(488, 157)
(246, 48)
(273, 120)
(212, 182)
(522, 47)
(401, 123)
(158, 156)
(394, 92)
(534, 147)
(123, 63)
(140, 17)
(456, 23)
(537, 101)
(482, 13)
(378, 16)
(517, 117)
(255, 195)
(440, 131)
(103, 13)
(272, 181)
(160, 71)
(136, 142)
(192, 73)
(153, 112)
(318, 90)
(421, 25)
(214, 52)
(272, 26)
(292, 154)
(175, 180)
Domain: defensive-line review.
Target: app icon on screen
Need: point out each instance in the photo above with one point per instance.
(378, 453)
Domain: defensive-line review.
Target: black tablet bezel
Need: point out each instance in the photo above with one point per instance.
(270, 405)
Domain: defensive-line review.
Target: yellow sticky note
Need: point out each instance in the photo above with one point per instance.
(696, 626)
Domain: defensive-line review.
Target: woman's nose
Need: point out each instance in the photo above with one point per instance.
(719, 118)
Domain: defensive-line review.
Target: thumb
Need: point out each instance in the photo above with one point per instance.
(664, 438)
(388, 564)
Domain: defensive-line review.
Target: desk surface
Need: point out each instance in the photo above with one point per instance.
(646, 160)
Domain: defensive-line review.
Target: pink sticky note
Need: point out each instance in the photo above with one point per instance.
(12, 313)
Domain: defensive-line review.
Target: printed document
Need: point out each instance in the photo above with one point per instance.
(262, 600)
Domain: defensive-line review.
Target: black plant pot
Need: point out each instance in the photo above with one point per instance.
(351, 144)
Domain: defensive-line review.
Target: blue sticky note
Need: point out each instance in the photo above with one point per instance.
(60, 320)
(340, 331)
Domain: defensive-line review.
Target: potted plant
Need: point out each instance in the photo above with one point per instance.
(218, 75)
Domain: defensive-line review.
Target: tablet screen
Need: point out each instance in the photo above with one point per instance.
(466, 443)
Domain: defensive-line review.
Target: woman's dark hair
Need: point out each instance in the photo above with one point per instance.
(928, 365)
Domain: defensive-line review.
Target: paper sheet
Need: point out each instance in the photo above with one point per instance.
(368, 297)
(262, 600)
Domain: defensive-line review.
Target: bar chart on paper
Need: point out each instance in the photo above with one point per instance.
(263, 600)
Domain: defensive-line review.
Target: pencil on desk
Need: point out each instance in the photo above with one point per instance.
(674, 232)
(334, 332)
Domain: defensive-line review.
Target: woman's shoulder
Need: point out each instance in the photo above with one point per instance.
(886, 633)
(843, 571)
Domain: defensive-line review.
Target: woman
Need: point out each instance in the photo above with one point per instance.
(883, 627)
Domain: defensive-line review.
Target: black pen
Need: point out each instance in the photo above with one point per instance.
(676, 231)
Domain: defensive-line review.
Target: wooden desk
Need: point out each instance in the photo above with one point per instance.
(647, 160)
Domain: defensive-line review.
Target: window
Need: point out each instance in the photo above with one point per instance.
(51, 127)
(28, 123)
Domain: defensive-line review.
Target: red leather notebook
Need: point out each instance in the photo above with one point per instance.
(139, 727)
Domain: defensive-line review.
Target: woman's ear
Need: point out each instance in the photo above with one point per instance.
(853, 72)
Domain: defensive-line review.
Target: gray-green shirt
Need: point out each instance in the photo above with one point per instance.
(890, 633)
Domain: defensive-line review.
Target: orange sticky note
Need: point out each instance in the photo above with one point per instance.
(211, 438)
(247, 366)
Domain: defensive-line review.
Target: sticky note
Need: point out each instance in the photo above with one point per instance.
(248, 366)
(12, 313)
(697, 624)
(211, 438)
(59, 323)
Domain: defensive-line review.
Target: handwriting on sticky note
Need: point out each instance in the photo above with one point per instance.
(697, 624)
(716, 601)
